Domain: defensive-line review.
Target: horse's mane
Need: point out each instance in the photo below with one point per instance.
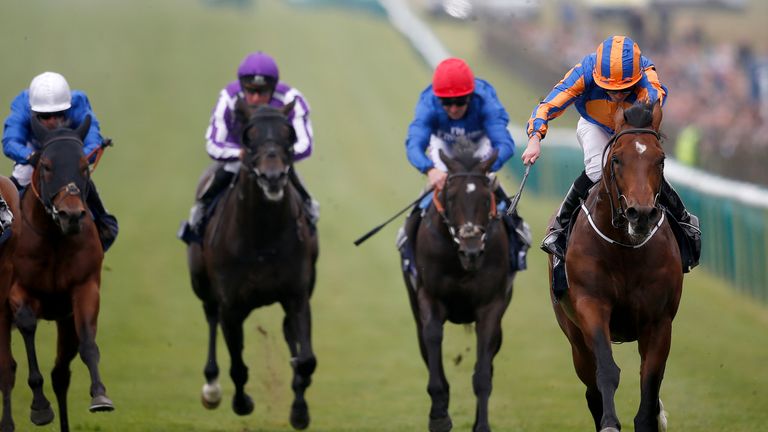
(464, 152)
(639, 114)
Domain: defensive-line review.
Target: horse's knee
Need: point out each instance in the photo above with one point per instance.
(305, 367)
(88, 350)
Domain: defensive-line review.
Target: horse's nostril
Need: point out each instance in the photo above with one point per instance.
(654, 213)
(632, 213)
(82, 215)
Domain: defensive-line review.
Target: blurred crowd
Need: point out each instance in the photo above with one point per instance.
(716, 117)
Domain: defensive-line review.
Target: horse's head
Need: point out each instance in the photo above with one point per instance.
(61, 174)
(634, 170)
(267, 155)
(467, 204)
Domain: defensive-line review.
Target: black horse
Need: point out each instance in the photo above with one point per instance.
(258, 249)
(462, 275)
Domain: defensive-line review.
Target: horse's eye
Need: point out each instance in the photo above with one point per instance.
(615, 159)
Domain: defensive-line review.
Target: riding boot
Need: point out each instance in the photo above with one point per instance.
(406, 237)
(106, 223)
(518, 232)
(555, 241)
(192, 229)
(687, 221)
(311, 206)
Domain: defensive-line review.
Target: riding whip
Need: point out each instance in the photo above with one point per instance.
(378, 228)
(516, 199)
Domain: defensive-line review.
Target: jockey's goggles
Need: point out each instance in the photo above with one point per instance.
(258, 89)
(455, 101)
(627, 90)
(49, 115)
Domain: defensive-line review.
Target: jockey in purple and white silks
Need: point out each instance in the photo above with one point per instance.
(51, 102)
(258, 84)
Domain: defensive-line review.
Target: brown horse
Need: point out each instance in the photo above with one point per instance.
(57, 266)
(623, 271)
(462, 276)
(258, 249)
(8, 240)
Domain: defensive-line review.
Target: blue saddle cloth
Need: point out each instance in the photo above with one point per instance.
(5, 235)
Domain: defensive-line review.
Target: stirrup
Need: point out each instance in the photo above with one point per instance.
(554, 243)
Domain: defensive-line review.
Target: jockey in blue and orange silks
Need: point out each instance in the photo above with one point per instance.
(456, 104)
(258, 83)
(616, 74)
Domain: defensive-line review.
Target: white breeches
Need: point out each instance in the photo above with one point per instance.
(436, 144)
(592, 139)
(23, 173)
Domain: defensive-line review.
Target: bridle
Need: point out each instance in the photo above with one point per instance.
(468, 229)
(70, 188)
(618, 211)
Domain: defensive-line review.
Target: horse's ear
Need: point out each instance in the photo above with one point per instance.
(38, 130)
(488, 163)
(242, 110)
(287, 108)
(656, 119)
(84, 127)
(618, 119)
(452, 165)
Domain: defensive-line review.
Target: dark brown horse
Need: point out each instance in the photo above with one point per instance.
(8, 240)
(258, 249)
(57, 266)
(624, 274)
(462, 276)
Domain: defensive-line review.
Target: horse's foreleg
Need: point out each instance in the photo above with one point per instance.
(653, 344)
(593, 320)
(433, 317)
(211, 394)
(67, 345)
(7, 367)
(488, 331)
(232, 328)
(297, 329)
(26, 321)
(85, 308)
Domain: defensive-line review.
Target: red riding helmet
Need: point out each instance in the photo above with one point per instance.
(453, 78)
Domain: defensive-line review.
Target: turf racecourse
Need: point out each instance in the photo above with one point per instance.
(152, 70)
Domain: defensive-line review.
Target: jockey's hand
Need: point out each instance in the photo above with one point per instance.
(532, 150)
(437, 178)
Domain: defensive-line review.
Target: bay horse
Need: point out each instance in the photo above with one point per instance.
(258, 249)
(57, 266)
(623, 271)
(462, 276)
(8, 239)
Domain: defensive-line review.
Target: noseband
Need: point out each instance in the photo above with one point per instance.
(618, 212)
(457, 234)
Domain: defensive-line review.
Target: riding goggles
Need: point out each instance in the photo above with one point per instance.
(455, 101)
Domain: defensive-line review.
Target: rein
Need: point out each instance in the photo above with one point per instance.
(617, 210)
(618, 243)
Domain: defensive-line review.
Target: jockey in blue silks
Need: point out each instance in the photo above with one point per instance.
(456, 105)
(50, 100)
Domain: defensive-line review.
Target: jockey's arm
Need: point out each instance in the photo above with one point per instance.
(219, 142)
(16, 131)
(419, 131)
(302, 125)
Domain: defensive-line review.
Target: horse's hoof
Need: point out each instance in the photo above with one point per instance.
(41, 417)
(662, 418)
(299, 415)
(609, 429)
(101, 403)
(242, 406)
(440, 425)
(211, 395)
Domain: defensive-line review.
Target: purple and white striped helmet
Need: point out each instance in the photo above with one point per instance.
(258, 64)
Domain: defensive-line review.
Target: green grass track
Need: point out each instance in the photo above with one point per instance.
(153, 70)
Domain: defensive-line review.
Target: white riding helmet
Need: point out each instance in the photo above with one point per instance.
(49, 92)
